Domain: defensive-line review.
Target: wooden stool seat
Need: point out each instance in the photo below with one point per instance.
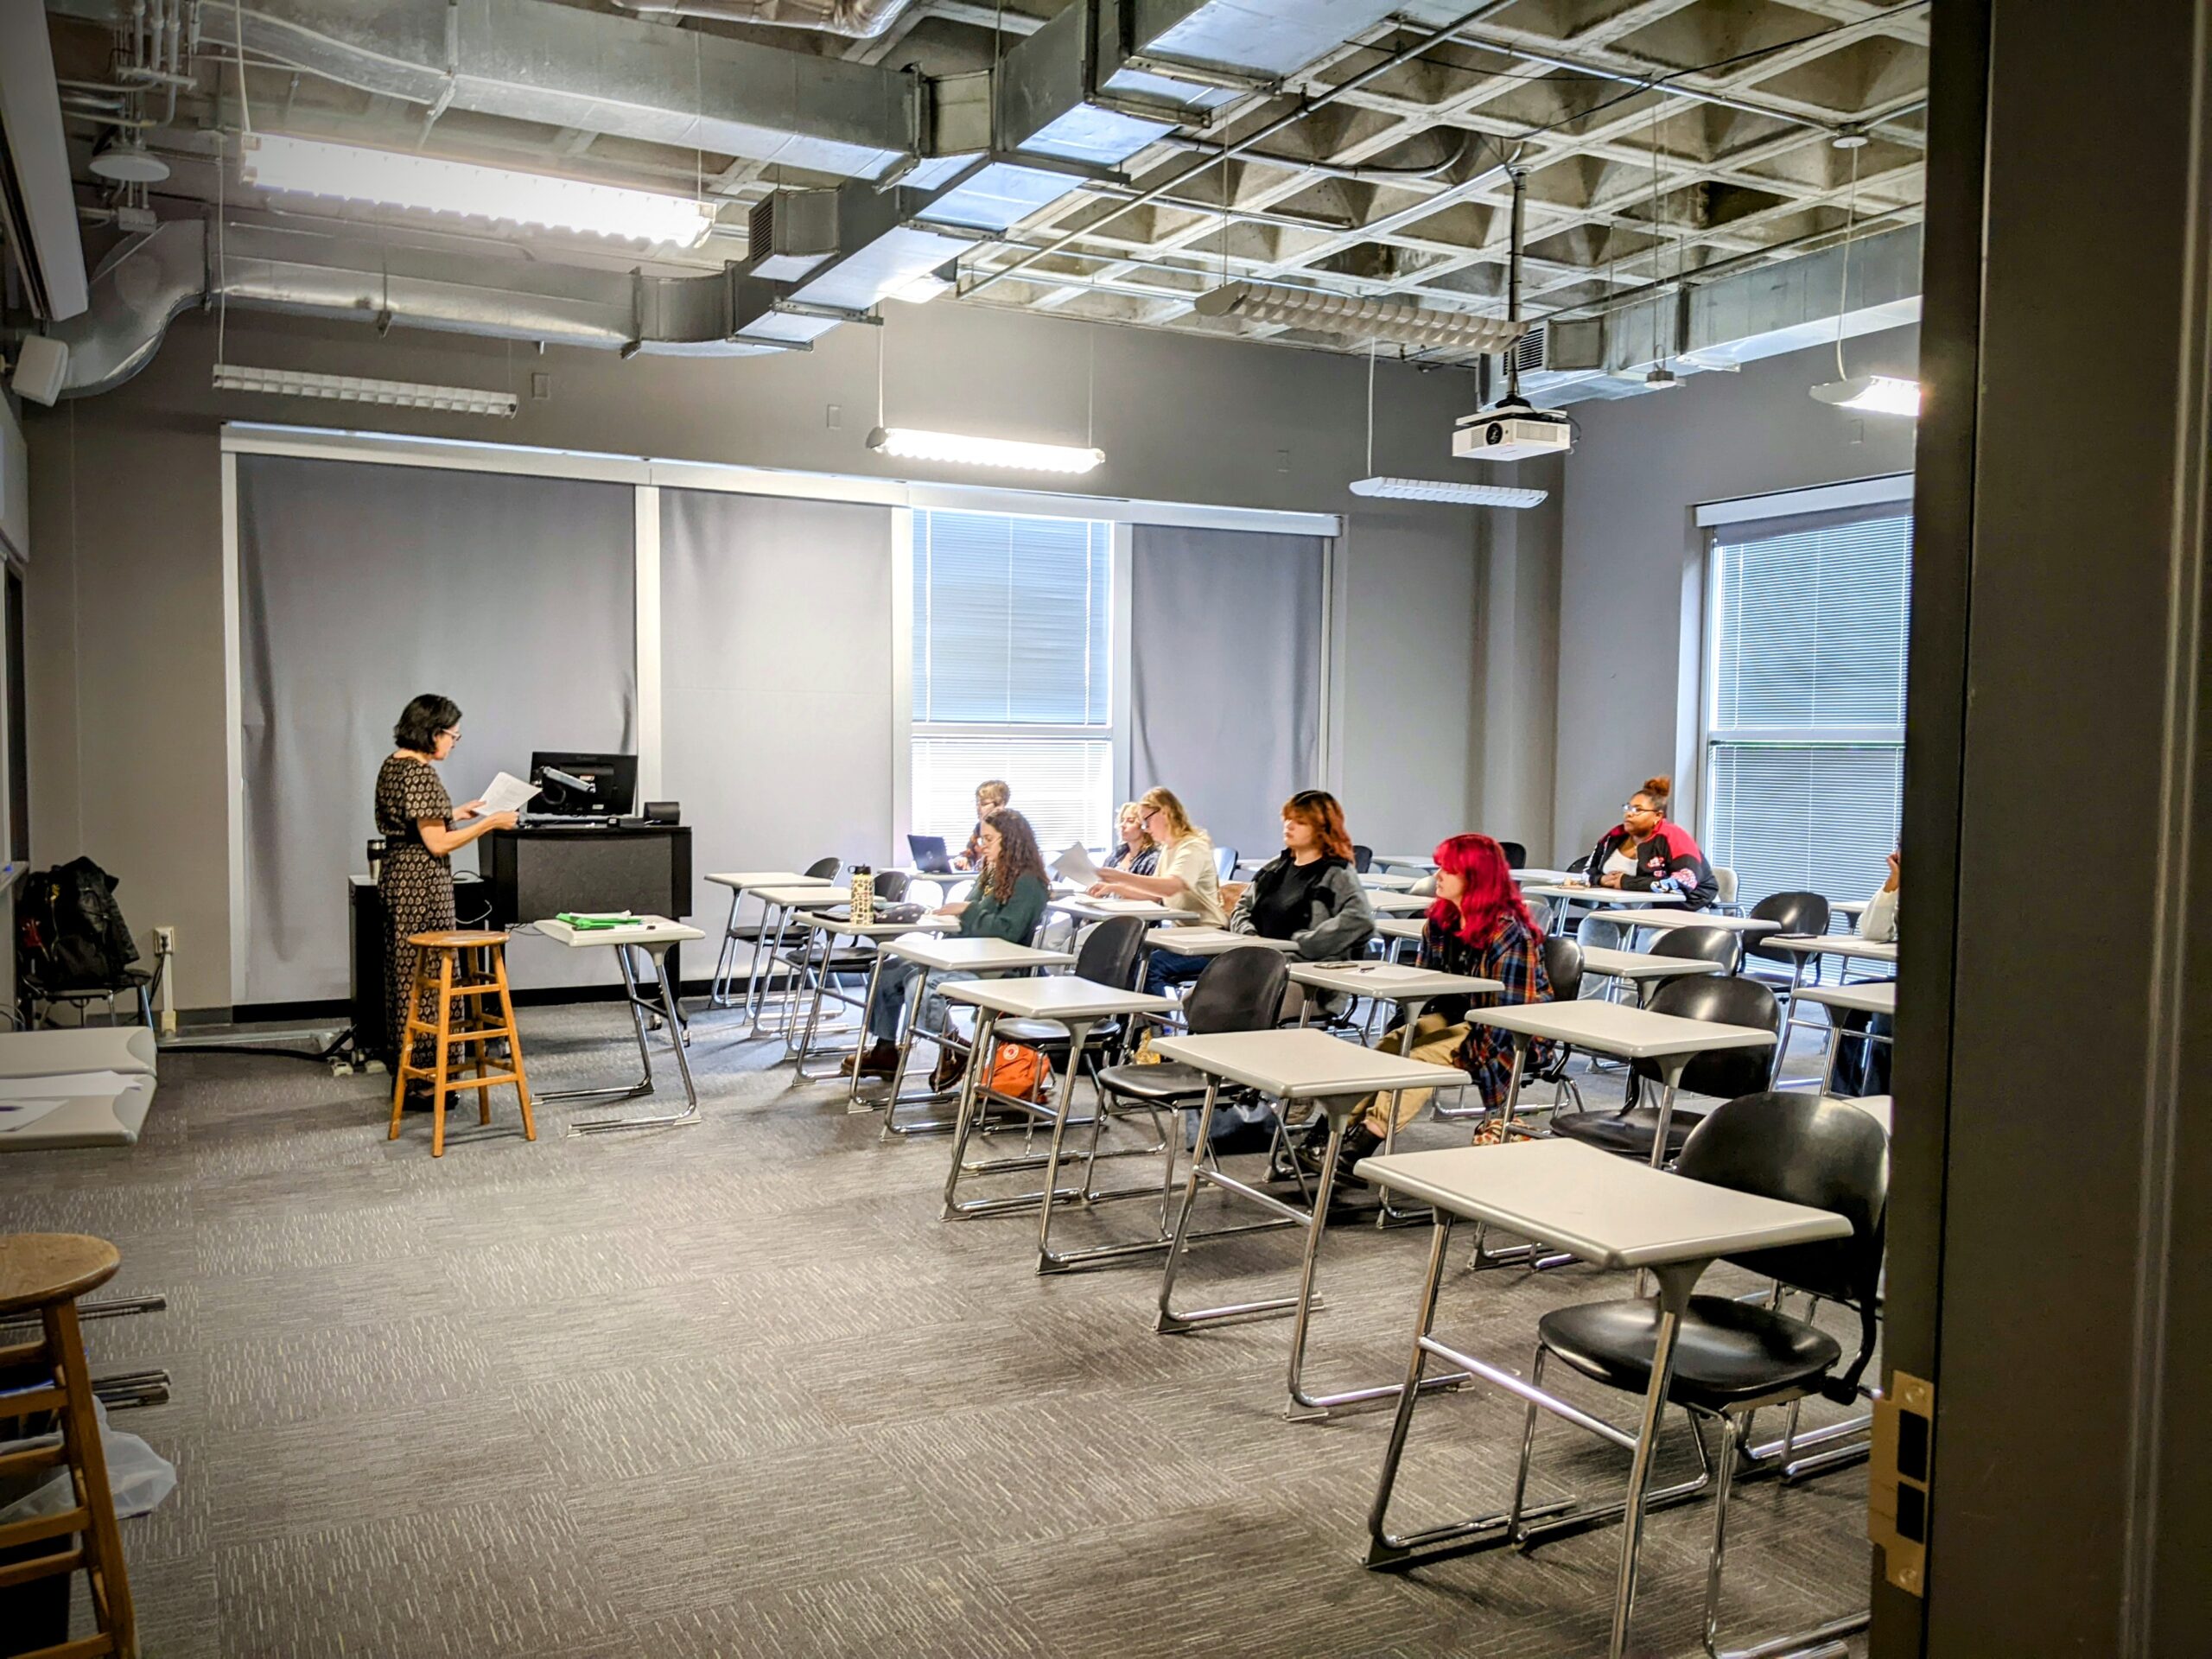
(455, 968)
(38, 1269)
(41, 1275)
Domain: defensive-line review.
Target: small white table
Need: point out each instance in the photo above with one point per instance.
(1082, 906)
(1077, 1005)
(1401, 930)
(1661, 921)
(1405, 861)
(1806, 948)
(1605, 1211)
(740, 882)
(1400, 904)
(1877, 1107)
(829, 928)
(1210, 941)
(1877, 997)
(1530, 875)
(651, 936)
(937, 955)
(1641, 967)
(1625, 1032)
(779, 904)
(1565, 897)
(1383, 881)
(1284, 1066)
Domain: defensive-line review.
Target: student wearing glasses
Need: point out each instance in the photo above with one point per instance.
(421, 828)
(1647, 852)
(1183, 878)
(991, 796)
(1133, 852)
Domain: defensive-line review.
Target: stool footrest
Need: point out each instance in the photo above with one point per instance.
(42, 1567)
(33, 1400)
(86, 1647)
(461, 1033)
(41, 1528)
(481, 1083)
(31, 1460)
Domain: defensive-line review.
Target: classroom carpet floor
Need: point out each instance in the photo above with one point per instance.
(735, 1389)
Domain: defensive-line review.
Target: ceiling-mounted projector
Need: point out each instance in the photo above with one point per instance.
(1514, 430)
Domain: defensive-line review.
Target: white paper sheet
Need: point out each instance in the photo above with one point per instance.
(1075, 864)
(507, 793)
(21, 1113)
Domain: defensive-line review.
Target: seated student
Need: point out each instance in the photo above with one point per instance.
(1135, 851)
(1647, 852)
(1006, 903)
(1862, 1067)
(991, 796)
(1309, 892)
(1478, 926)
(1183, 878)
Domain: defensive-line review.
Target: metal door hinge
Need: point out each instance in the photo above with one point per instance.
(1897, 1482)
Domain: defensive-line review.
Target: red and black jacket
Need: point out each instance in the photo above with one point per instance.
(1669, 860)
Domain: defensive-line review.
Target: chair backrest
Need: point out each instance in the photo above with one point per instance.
(1238, 990)
(1363, 859)
(1806, 1148)
(1718, 944)
(891, 886)
(1727, 1072)
(1724, 887)
(1577, 866)
(1798, 913)
(1563, 967)
(1108, 953)
(1224, 862)
(824, 870)
(924, 891)
(1516, 856)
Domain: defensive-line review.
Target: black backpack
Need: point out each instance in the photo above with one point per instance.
(70, 932)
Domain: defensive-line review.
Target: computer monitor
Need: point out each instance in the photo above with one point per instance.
(574, 785)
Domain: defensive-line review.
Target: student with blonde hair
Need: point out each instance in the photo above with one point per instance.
(1183, 878)
(1134, 851)
(991, 796)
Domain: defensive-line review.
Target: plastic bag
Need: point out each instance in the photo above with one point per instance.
(138, 1477)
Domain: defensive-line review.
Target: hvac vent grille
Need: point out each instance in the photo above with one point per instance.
(1528, 354)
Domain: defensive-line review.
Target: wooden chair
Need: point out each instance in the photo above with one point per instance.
(41, 1275)
(453, 973)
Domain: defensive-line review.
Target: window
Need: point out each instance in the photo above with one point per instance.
(1805, 701)
(1012, 669)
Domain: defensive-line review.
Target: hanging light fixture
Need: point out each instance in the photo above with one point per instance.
(966, 449)
(1873, 394)
(357, 389)
(430, 184)
(1403, 323)
(1433, 489)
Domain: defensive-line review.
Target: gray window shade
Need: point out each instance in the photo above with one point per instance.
(1805, 708)
(361, 585)
(1011, 620)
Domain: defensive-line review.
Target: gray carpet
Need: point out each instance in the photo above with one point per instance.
(736, 1390)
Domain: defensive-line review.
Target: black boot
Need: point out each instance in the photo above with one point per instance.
(1360, 1141)
(878, 1059)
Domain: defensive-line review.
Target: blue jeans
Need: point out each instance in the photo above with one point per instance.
(1166, 968)
(894, 986)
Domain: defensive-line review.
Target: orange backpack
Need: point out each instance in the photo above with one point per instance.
(1019, 1072)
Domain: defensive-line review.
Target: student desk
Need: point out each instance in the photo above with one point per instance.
(1805, 948)
(1400, 904)
(830, 927)
(1085, 908)
(1880, 997)
(1210, 941)
(1564, 898)
(1604, 1209)
(652, 936)
(740, 882)
(1286, 1066)
(1659, 921)
(1642, 968)
(936, 957)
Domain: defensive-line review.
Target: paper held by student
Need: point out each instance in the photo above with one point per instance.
(1075, 864)
(507, 793)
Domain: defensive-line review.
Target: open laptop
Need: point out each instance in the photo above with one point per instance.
(930, 855)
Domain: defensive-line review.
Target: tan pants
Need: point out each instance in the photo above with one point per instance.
(1433, 1041)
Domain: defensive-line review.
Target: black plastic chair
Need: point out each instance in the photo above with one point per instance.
(1563, 969)
(1798, 913)
(1732, 1357)
(1238, 990)
(824, 869)
(1718, 944)
(1363, 859)
(891, 886)
(1224, 862)
(1578, 865)
(1723, 1073)
(1108, 956)
(1516, 856)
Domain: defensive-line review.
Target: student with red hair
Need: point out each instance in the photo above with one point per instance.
(1478, 926)
(1309, 893)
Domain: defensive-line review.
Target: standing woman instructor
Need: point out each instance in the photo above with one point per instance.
(415, 817)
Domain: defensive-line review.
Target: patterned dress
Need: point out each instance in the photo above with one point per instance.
(416, 884)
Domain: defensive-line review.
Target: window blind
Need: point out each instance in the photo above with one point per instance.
(1062, 785)
(1805, 706)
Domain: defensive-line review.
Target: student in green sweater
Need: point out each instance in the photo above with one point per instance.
(1006, 902)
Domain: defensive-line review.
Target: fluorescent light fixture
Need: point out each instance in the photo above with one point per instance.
(1402, 322)
(1438, 489)
(391, 179)
(352, 388)
(909, 443)
(1878, 394)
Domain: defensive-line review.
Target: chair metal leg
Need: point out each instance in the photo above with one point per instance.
(1823, 1641)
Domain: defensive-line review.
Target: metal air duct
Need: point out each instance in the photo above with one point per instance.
(863, 19)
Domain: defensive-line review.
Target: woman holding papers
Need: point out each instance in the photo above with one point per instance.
(1184, 879)
(418, 820)
(1135, 851)
(1478, 926)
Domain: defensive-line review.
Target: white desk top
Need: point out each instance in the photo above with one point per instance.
(824, 897)
(1880, 997)
(1611, 1211)
(1875, 1106)
(1399, 904)
(844, 927)
(1750, 926)
(746, 881)
(1209, 941)
(1383, 881)
(1600, 897)
(978, 956)
(1056, 996)
(1853, 907)
(1412, 861)
(1834, 944)
(1304, 1065)
(1638, 965)
(1099, 910)
(1400, 927)
(1616, 1029)
(1526, 876)
(642, 930)
(1393, 982)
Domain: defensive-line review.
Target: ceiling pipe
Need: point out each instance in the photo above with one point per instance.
(861, 19)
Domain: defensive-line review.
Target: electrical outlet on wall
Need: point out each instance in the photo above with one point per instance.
(165, 940)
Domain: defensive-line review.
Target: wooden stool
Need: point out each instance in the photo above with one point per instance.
(458, 970)
(41, 1275)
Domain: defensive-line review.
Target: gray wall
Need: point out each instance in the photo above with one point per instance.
(125, 600)
(1632, 559)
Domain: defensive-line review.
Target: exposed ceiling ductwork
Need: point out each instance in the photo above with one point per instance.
(863, 19)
